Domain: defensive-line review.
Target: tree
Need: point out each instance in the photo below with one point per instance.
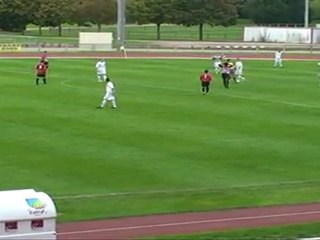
(151, 11)
(96, 12)
(52, 13)
(315, 9)
(276, 11)
(294, 11)
(14, 15)
(262, 11)
(37, 15)
(241, 8)
(78, 17)
(200, 12)
(136, 11)
(40, 14)
(130, 14)
(158, 12)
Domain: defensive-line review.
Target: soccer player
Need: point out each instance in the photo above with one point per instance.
(101, 67)
(226, 74)
(205, 79)
(239, 70)
(217, 60)
(278, 59)
(232, 68)
(109, 95)
(44, 58)
(41, 72)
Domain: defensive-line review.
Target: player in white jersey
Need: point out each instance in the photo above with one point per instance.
(101, 67)
(217, 61)
(109, 95)
(278, 59)
(239, 70)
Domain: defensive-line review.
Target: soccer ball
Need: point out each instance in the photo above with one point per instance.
(319, 64)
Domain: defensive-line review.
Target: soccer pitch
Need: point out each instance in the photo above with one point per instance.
(167, 148)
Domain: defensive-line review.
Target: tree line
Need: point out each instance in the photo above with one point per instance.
(15, 15)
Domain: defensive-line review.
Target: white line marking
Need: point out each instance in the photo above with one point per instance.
(273, 101)
(152, 57)
(65, 84)
(302, 105)
(181, 191)
(192, 222)
(238, 96)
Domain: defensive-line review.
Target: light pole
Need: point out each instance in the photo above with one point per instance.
(306, 13)
(121, 22)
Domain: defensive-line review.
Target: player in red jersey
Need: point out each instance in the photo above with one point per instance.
(44, 58)
(205, 79)
(41, 72)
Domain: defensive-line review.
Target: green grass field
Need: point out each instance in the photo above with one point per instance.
(167, 148)
(293, 232)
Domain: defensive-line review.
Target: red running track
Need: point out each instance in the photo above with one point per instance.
(187, 223)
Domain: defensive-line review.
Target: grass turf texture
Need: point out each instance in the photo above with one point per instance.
(252, 145)
(293, 232)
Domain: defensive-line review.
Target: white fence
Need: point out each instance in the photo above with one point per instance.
(282, 35)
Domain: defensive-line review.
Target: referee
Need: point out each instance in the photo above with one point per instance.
(226, 74)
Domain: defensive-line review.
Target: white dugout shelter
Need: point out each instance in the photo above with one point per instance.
(27, 214)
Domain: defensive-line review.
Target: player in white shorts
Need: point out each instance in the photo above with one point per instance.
(217, 61)
(278, 59)
(239, 70)
(101, 67)
(109, 95)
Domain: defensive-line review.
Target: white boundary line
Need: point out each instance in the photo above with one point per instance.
(242, 97)
(247, 57)
(273, 101)
(181, 191)
(177, 190)
(288, 103)
(68, 85)
(185, 223)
